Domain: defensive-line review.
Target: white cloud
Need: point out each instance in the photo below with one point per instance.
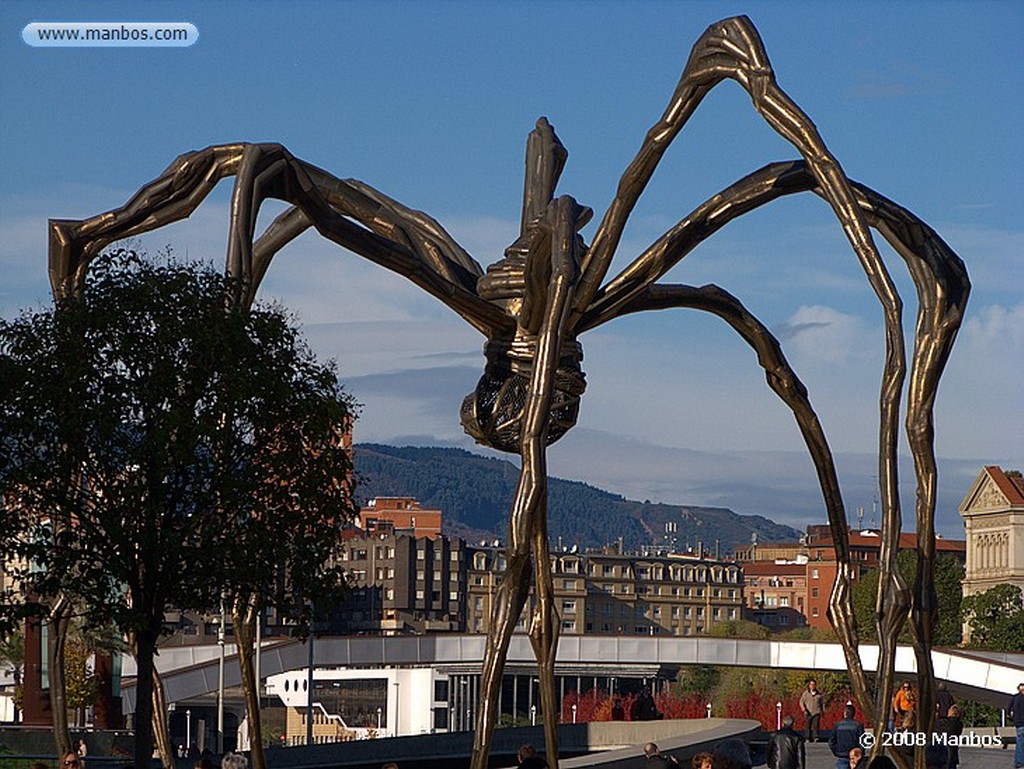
(821, 333)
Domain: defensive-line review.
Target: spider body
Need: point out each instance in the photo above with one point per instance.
(532, 306)
(493, 413)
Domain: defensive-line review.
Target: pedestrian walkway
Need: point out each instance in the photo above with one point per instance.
(820, 757)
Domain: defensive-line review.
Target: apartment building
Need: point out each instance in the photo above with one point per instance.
(612, 592)
(802, 574)
(401, 583)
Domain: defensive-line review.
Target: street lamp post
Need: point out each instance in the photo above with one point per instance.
(378, 720)
(220, 680)
(533, 715)
(778, 715)
(397, 702)
(574, 712)
(709, 710)
(188, 728)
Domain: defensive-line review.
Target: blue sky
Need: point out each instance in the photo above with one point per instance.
(431, 103)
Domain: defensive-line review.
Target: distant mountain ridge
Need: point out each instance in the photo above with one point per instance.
(475, 493)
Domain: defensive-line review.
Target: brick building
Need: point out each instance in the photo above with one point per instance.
(387, 514)
(815, 556)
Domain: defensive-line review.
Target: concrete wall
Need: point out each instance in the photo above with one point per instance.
(620, 744)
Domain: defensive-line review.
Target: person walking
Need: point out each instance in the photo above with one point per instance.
(905, 706)
(943, 700)
(1016, 711)
(527, 758)
(846, 736)
(786, 750)
(812, 703)
(653, 754)
(953, 725)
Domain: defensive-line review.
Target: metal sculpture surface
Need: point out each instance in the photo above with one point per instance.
(533, 304)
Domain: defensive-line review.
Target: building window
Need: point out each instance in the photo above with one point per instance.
(814, 574)
(814, 592)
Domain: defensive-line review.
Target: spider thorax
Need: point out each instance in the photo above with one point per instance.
(494, 412)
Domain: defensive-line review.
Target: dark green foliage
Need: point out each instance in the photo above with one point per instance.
(699, 679)
(738, 628)
(476, 493)
(167, 437)
(949, 576)
(996, 619)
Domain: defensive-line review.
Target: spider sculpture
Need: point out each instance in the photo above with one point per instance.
(533, 304)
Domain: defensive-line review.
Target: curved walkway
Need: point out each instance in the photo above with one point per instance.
(192, 671)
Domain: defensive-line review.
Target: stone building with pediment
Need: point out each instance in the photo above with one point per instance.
(993, 513)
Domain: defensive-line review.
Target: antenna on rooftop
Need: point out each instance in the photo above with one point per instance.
(874, 500)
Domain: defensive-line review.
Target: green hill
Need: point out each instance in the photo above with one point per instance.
(476, 492)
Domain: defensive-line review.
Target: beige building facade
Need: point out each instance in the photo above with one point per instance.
(993, 513)
(616, 593)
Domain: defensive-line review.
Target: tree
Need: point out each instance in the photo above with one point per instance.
(996, 619)
(949, 576)
(149, 428)
(12, 658)
(738, 628)
(80, 680)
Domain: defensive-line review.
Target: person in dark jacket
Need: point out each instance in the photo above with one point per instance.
(646, 710)
(528, 759)
(845, 736)
(653, 754)
(786, 749)
(951, 724)
(1016, 711)
(943, 700)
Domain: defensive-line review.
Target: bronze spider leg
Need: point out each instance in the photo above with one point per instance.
(787, 385)
(943, 288)
(437, 264)
(554, 257)
(322, 201)
(733, 49)
(174, 195)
